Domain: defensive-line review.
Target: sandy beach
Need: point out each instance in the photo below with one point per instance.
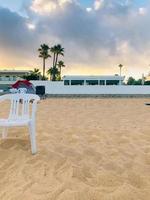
(88, 149)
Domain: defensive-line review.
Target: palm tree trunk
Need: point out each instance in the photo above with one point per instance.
(43, 67)
(54, 77)
(54, 59)
(60, 71)
(55, 64)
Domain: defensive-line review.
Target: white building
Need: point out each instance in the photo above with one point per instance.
(93, 80)
(12, 75)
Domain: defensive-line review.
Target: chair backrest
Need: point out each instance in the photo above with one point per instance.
(20, 105)
(13, 90)
(22, 90)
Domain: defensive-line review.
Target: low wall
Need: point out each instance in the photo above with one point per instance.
(58, 88)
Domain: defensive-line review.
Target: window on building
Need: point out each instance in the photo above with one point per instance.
(7, 78)
(102, 82)
(112, 82)
(91, 82)
(14, 78)
(66, 82)
(77, 82)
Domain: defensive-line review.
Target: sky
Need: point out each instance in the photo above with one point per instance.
(97, 35)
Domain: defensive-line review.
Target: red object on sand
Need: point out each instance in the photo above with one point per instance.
(25, 82)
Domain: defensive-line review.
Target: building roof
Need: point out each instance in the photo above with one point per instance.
(15, 72)
(102, 77)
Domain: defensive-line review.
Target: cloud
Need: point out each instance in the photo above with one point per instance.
(98, 4)
(89, 9)
(96, 38)
(47, 6)
(31, 26)
(17, 41)
(14, 32)
(142, 11)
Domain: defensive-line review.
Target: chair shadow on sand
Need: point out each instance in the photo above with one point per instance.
(15, 143)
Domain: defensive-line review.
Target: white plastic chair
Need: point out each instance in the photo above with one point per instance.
(21, 115)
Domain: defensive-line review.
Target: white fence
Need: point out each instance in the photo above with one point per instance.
(59, 88)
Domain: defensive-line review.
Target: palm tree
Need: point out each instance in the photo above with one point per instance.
(54, 51)
(44, 53)
(60, 65)
(54, 73)
(33, 75)
(59, 51)
(36, 72)
(120, 66)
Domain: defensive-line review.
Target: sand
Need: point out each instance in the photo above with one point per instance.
(88, 149)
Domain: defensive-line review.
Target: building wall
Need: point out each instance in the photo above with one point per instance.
(12, 75)
(58, 88)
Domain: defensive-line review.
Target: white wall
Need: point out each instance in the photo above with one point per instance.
(59, 88)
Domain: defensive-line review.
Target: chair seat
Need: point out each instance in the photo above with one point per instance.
(13, 122)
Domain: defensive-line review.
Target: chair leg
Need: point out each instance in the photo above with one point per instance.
(32, 138)
(4, 132)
